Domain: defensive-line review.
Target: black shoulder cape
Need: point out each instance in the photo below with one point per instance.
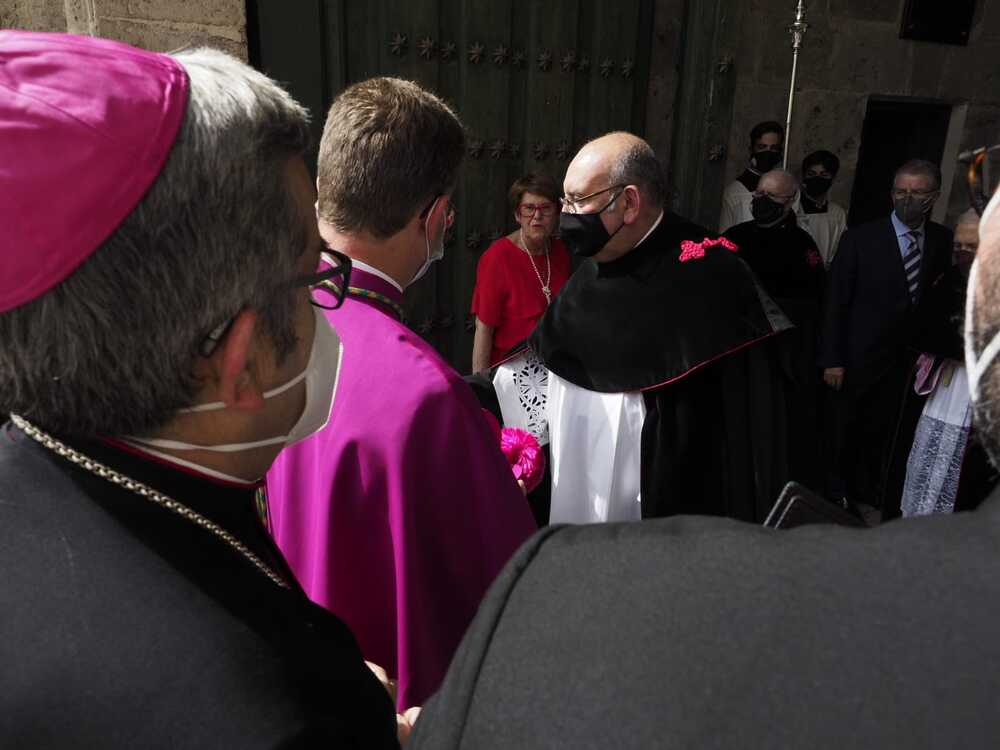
(649, 319)
(126, 625)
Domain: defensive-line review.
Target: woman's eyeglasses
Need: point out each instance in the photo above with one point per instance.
(528, 210)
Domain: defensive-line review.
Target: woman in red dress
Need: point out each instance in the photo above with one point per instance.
(520, 274)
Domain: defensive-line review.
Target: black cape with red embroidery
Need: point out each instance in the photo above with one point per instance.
(694, 336)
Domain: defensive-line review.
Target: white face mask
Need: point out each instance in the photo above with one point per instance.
(321, 383)
(438, 253)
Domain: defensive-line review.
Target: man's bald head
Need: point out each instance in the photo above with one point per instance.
(624, 159)
(617, 179)
(773, 198)
(984, 291)
(779, 182)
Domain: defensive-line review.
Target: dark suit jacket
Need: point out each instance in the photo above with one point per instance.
(869, 315)
(695, 632)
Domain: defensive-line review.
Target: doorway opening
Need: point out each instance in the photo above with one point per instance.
(895, 131)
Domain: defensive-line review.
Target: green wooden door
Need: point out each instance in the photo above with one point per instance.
(532, 81)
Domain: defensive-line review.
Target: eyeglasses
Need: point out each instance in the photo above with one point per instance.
(528, 210)
(576, 205)
(773, 196)
(978, 178)
(918, 194)
(327, 289)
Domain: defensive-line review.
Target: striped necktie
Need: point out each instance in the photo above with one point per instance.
(911, 264)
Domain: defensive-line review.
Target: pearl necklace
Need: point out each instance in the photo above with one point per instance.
(61, 449)
(546, 289)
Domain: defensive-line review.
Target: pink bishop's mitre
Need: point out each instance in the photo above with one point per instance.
(85, 127)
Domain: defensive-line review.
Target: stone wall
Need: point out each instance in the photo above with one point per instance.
(160, 25)
(33, 15)
(853, 51)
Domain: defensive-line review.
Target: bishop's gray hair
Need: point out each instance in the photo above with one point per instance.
(638, 165)
(111, 349)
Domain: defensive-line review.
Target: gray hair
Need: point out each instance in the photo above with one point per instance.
(111, 350)
(923, 168)
(638, 165)
(791, 179)
(967, 217)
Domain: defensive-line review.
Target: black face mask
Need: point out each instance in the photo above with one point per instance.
(765, 210)
(817, 185)
(765, 161)
(584, 234)
(910, 211)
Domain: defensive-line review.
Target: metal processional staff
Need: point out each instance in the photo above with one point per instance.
(798, 32)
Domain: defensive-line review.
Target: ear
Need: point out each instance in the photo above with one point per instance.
(232, 365)
(436, 215)
(633, 203)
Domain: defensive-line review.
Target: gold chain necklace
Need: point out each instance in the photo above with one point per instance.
(157, 498)
(546, 289)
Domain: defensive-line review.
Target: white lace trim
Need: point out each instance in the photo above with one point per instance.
(522, 387)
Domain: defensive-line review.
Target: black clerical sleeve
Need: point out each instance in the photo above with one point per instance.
(125, 625)
(938, 329)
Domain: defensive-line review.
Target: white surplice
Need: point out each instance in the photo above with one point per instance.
(595, 442)
(825, 228)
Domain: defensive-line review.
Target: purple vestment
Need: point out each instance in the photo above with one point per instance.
(400, 512)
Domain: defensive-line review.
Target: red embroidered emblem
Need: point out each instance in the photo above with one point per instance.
(694, 250)
(813, 258)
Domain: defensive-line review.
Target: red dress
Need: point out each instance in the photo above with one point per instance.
(508, 295)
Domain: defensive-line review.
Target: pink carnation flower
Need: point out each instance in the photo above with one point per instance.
(692, 250)
(524, 455)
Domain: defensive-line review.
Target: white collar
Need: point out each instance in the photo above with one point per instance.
(651, 229)
(375, 272)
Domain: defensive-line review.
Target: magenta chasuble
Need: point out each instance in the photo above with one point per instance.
(401, 511)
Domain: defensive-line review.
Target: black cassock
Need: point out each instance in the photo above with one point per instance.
(124, 625)
(693, 336)
(790, 268)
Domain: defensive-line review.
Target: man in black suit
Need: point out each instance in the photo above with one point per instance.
(695, 632)
(877, 284)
